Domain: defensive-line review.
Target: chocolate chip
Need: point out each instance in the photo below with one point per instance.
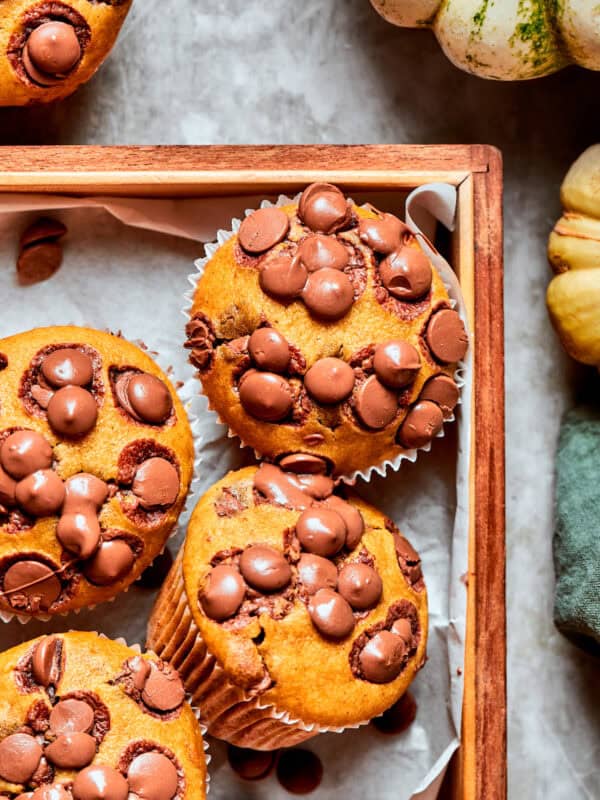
(71, 716)
(46, 661)
(323, 208)
(38, 262)
(282, 277)
(54, 791)
(320, 252)
(33, 582)
(406, 273)
(384, 234)
(72, 411)
(396, 363)
(163, 690)
(71, 750)
(399, 717)
(383, 657)
(51, 51)
(269, 350)
(20, 756)
(329, 380)
(304, 463)
(360, 585)
(113, 560)
(442, 390)
(316, 572)
(144, 397)
(156, 483)
(328, 294)
(67, 367)
(224, 592)
(321, 531)
(331, 614)
(375, 404)
(266, 396)
(24, 452)
(153, 776)
(41, 230)
(446, 336)
(251, 765)
(100, 782)
(263, 229)
(265, 568)
(299, 771)
(355, 525)
(41, 494)
(422, 423)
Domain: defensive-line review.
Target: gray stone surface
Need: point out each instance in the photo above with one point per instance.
(331, 71)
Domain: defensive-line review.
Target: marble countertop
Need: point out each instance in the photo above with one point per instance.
(245, 71)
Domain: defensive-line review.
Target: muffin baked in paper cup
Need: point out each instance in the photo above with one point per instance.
(427, 204)
(179, 389)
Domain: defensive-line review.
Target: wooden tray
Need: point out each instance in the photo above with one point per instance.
(479, 771)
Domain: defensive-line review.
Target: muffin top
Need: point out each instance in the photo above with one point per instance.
(323, 328)
(312, 602)
(83, 717)
(48, 48)
(96, 457)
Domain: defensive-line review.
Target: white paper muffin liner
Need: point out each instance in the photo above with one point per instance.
(181, 645)
(449, 280)
(194, 422)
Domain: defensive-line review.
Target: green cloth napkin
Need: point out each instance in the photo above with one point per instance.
(577, 529)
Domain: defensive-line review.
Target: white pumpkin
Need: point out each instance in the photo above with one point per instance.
(506, 40)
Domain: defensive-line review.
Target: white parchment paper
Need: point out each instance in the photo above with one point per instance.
(125, 267)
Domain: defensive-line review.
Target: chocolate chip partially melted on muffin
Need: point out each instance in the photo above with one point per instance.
(55, 751)
(321, 563)
(43, 485)
(352, 293)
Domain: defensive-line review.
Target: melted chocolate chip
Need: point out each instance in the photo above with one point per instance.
(360, 585)
(331, 614)
(41, 494)
(304, 463)
(329, 380)
(156, 483)
(113, 560)
(321, 531)
(422, 423)
(269, 350)
(446, 336)
(224, 593)
(71, 750)
(153, 776)
(265, 568)
(383, 657)
(100, 782)
(283, 277)
(328, 294)
(322, 252)
(384, 234)
(24, 452)
(266, 396)
(263, 229)
(20, 756)
(442, 390)
(67, 367)
(323, 208)
(144, 397)
(352, 517)
(375, 404)
(31, 585)
(316, 572)
(163, 690)
(46, 661)
(396, 363)
(51, 51)
(72, 411)
(406, 274)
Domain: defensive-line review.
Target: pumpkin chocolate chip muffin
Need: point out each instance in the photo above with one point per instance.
(96, 457)
(86, 718)
(48, 48)
(291, 610)
(323, 328)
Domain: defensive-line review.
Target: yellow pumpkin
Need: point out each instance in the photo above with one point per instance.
(506, 40)
(574, 253)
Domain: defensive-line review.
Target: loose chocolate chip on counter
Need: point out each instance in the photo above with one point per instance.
(67, 367)
(265, 568)
(33, 583)
(38, 262)
(316, 572)
(399, 717)
(266, 396)
(383, 657)
(100, 782)
(111, 562)
(321, 531)
(269, 350)
(328, 294)
(72, 411)
(406, 273)
(156, 483)
(383, 235)
(20, 755)
(51, 51)
(304, 463)
(396, 363)
(251, 765)
(283, 277)
(144, 397)
(323, 208)
(375, 404)
(355, 525)
(329, 380)
(71, 750)
(331, 614)
(163, 690)
(446, 336)
(41, 494)
(360, 585)
(224, 593)
(442, 390)
(299, 771)
(322, 252)
(153, 776)
(422, 423)
(154, 576)
(24, 452)
(46, 661)
(263, 229)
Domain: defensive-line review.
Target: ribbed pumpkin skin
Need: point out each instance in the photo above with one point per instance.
(509, 40)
